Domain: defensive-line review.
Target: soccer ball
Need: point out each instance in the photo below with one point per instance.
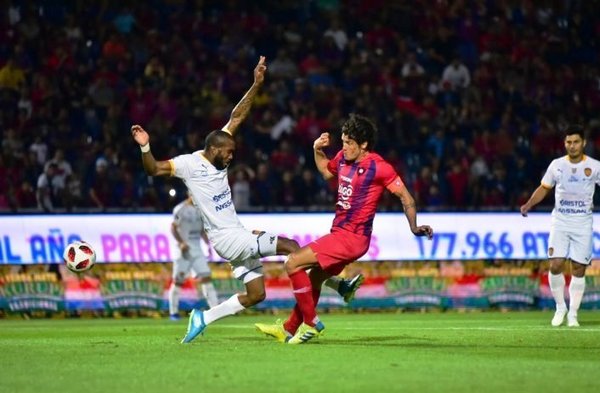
(79, 256)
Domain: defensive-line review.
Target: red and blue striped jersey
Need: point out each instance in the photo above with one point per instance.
(360, 185)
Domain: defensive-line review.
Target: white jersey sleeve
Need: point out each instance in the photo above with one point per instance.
(181, 166)
(549, 179)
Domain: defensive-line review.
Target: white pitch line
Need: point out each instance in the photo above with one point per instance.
(475, 328)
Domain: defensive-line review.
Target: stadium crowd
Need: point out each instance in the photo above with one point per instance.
(469, 96)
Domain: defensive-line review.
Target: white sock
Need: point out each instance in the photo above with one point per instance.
(210, 294)
(576, 289)
(333, 282)
(174, 298)
(229, 307)
(557, 286)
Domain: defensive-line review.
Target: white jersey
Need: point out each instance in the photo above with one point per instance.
(574, 194)
(210, 191)
(189, 226)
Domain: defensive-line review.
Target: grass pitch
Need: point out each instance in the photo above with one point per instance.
(435, 352)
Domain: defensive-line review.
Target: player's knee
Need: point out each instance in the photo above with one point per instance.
(578, 270)
(291, 265)
(256, 297)
(286, 246)
(556, 269)
(557, 266)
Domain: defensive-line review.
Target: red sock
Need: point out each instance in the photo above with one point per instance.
(295, 319)
(304, 297)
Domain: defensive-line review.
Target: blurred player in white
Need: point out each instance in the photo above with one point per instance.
(187, 228)
(574, 178)
(204, 173)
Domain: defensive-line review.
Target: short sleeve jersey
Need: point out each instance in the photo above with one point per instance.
(575, 185)
(189, 224)
(360, 186)
(210, 190)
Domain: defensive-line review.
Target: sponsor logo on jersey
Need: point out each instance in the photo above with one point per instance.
(344, 194)
(221, 196)
(224, 205)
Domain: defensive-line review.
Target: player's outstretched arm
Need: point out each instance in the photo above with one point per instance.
(321, 159)
(538, 195)
(151, 166)
(241, 110)
(410, 210)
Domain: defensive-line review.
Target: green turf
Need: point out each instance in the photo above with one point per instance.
(409, 352)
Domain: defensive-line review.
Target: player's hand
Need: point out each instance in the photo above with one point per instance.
(140, 135)
(259, 71)
(184, 247)
(423, 230)
(524, 210)
(322, 141)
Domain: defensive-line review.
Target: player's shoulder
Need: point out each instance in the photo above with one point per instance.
(376, 157)
(592, 161)
(559, 161)
(178, 207)
(378, 160)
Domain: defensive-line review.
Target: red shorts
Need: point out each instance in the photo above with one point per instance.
(338, 249)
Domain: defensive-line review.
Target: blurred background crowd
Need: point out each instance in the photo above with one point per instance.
(470, 97)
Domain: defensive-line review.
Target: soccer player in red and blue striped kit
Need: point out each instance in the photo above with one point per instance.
(362, 176)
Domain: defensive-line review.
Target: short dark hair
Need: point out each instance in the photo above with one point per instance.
(361, 129)
(217, 138)
(574, 129)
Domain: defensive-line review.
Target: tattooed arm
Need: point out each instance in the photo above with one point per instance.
(241, 110)
(410, 210)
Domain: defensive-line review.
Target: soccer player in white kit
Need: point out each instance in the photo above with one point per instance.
(187, 228)
(574, 178)
(204, 173)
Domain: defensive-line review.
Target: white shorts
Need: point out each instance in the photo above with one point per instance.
(576, 245)
(182, 266)
(243, 249)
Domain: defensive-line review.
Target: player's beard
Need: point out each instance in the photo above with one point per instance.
(220, 163)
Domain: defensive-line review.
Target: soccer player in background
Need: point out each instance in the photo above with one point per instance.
(204, 173)
(574, 178)
(187, 228)
(362, 177)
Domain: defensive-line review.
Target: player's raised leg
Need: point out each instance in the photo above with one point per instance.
(255, 293)
(346, 288)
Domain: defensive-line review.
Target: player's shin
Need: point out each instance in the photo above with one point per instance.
(557, 287)
(174, 291)
(576, 289)
(229, 307)
(210, 294)
(302, 290)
